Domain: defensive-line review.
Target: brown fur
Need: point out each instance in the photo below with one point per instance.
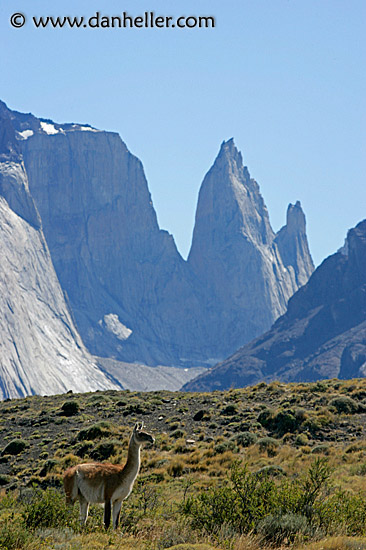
(111, 483)
(69, 478)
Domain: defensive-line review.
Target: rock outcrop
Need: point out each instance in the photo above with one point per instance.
(322, 334)
(41, 351)
(130, 291)
(249, 272)
(132, 295)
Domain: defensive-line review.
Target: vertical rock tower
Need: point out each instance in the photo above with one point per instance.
(248, 271)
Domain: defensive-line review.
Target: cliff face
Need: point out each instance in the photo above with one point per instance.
(41, 351)
(322, 334)
(129, 288)
(133, 296)
(293, 247)
(249, 272)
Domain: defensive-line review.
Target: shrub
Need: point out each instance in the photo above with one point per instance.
(271, 470)
(48, 466)
(344, 404)
(13, 535)
(301, 439)
(229, 410)
(70, 408)
(320, 449)
(46, 509)
(224, 446)
(15, 447)
(137, 408)
(283, 527)
(268, 445)
(84, 449)
(104, 450)
(178, 434)
(4, 479)
(199, 415)
(96, 431)
(176, 468)
(246, 499)
(281, 422)
(241, 503)
(245, 439)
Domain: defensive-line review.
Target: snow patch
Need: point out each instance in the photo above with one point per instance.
(88, 129)
(49, 128)
(114, 325)
(26, 134)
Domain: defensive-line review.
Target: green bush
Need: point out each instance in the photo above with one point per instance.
(15, 447)
(4, 479)
(104, 450)
(245, 439)
(278, 509)
(269, 445)
(14, 536)
(229, 410)
(46, 509)
(224, 446)
(48, 466)
(96, 431)
(344, 404)
(301, 439)
(277, 529)
(323, 448)
(241, 503)
(70, 408)
(280, 422)
(271, 470)
(178, 434)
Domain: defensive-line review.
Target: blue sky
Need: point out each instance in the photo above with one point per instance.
(285, 78)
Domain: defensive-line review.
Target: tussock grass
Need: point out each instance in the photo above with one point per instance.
(272, 428)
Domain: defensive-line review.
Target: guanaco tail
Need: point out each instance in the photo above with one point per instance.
(106, 483)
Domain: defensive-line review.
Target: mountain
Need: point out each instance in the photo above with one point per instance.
(129, 289)
(249, 272)
(322, 334)
(41, 351)
(133, 297)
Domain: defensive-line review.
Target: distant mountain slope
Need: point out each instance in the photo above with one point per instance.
(40, 349)
(132, 295)
(322, 334)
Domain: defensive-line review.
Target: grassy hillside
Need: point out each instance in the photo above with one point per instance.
(272, 464)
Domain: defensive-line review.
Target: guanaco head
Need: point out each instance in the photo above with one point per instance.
(140, 436)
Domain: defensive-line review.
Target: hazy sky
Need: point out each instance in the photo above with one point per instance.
(285, 78)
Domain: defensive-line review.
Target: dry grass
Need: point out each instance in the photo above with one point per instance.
(193, 449)
(336, 543)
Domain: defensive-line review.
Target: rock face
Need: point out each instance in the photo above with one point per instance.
(133, 296)
(129, 289)
(322, 334)
(248, 271)
(41, 351)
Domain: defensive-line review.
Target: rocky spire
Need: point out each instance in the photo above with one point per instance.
(293, 246)
(233, 251)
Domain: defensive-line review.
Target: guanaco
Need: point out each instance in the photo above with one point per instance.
(106, 483)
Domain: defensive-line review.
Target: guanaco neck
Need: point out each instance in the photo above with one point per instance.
(132, 466)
